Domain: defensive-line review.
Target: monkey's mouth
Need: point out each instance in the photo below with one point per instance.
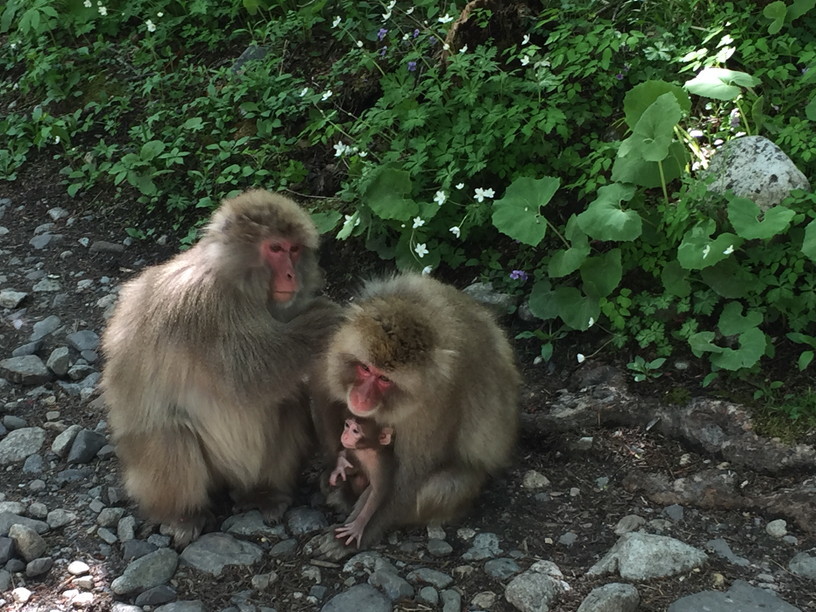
(282, 297)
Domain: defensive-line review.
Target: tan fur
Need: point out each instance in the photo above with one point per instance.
(204, 375)
(454, 404)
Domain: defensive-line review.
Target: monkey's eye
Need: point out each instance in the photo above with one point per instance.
(295, 249)
(275, 248)
(384, 379)
(364, 367)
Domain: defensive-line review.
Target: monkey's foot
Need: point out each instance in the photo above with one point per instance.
(188, 528)
(330, 548)
(272, 504)
(351, 532)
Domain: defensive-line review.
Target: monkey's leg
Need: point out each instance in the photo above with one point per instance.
(166, 473)
(447, 493)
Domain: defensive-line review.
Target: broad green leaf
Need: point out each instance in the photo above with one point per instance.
(654, 131)
(251, 6)
(151, 149)
(809, 243)
(348, 226)
(634, 170)
(732, 322)
(575, 309)
(720, 83)
(385, 195)
(804, 359)
(195, 123)
(641, 96)
(744, 216)
(702, 342)
(605, 220)
(800, 7)
(810, 109)
(542, 303)
(752, 345)
(518, 213)
(602, 274)
(698, 250)
(675, 279)
(776, 12)
(801, 338)
(326, 221)
(728, 279)
(567, 261)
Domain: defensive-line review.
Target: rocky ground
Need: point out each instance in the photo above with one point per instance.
(614, 501)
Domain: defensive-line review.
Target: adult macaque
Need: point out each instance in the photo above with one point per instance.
(206, 360)
(367, 468)
(425, 359)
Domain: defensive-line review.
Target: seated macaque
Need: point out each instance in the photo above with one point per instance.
(368, 469)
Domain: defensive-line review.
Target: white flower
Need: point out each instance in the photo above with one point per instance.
(580, 358)
(696, 133)
(421, 249)
(538, 359)
(440, 197)
(418, 222)
(327, 94)
(151, 27)
(340, 149)
(56, 139)
(706, 250)
(391, 5)
(591, 322)
(455, 230)
(446, 47)
(525, 60)
(362, 153)
(463, 49)
(336, 21)
(410, 10)
(359, 44)
(160, 14)
(427, 270)
(460, 185)
(729, 250)
(103, 10)
(87, 4)
(480, 194)
(356, 220)
(304, 91)
(387, 15)
(526, 39)
(446, 19)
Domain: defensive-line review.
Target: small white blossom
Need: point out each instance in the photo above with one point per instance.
(460, 185)
(421, 249)
(87, 4)
(455, 230)
(336, 21)
(406, 36)
(304, 91)
(356, 221)
(446, 19)
(696, 133)
(440, 197)
(480, 194)
(359, 44)
(526, 39)
(525, 60)
(327, 94)
(56, 139)
(418, 222)
(103, 10)
(446, 47)
(580, 358)
(159, 14)
(591, 322)
(151, 27)
(340, 149)
(463, 49)
(706, 250)
(538, 359)
(410, 10)
(729, 250)
(427, 270)
(362, 153)
(391, 5)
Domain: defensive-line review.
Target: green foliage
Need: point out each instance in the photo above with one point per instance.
(645, 370)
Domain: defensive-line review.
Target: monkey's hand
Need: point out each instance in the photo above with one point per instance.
(328, 547)
(352, 531)
(343, 464)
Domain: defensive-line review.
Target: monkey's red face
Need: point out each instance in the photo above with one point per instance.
(352, 434)
(281, 256)
(368, 390)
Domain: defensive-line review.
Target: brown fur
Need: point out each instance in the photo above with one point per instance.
(453, 405)
(204, 375)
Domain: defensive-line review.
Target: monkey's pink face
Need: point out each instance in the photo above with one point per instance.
(352, 434)
(281, 256)
(368, 390)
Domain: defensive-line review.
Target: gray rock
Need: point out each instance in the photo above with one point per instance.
(753, 167)
(357, 598)
(86, 444)
(12, 422)
(641, 556)
(301, 521)
(57, 213)
(777, 528)
(39, 566)
(43, 240)
(720, 547)
(14, 507)
(45, 327)
(261, 582)
(11, 299)
(100, 246)
(62, 443)
(78, 568)
(38, 510)
(25, 370)
(568, 539)
(133, 549)
(212, 552)
(485, 546)
(428, 596)
(147, 572)
(368, 561)
(29, 348)
(535, 480)
(47, 285)
(429, 576)
(83, 340)
(6, 549)
(21, 443)
(675, 512)
(451, 601)
(283, 548)
(27, 541)
(58, 362)
(125, 528)
(439, 548)
(804, 564)
(252, 524)
(741, 597)
(536, 589)
(109, 517)
(118, 606)
(33, 464)
(501, 569)
(393, 585)
(182, 606)
(500, 303)
(156, 596)
(8, 519)
(613, 597)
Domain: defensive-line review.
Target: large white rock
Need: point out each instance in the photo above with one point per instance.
(753, 167)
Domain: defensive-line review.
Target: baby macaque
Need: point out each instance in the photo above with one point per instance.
(364, 463)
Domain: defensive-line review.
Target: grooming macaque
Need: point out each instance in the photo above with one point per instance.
(368, 469)
(426, 360)
(206, 360)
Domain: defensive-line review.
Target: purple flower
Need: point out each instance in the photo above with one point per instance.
(519, 275)
(383, 51)
(619, 76)
(411, 66)
(381, 34)
(416, 33)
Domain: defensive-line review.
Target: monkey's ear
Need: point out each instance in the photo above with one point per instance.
(386, 435)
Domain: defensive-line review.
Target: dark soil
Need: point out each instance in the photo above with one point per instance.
(524, 520)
